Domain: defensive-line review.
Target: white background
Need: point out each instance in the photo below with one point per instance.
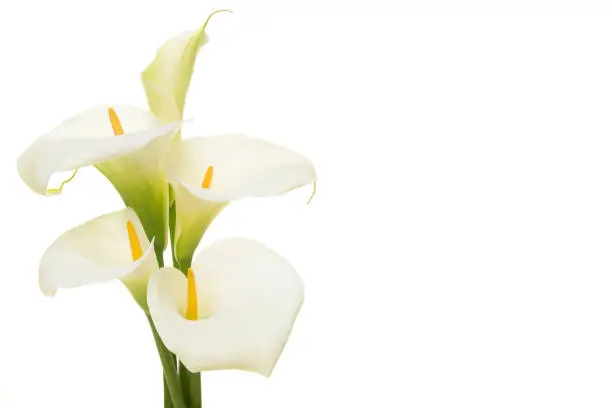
(458, 252)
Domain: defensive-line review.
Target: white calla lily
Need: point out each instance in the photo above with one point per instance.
(166, 80)
(207, 173)
(235, 306)
(113, 246)
(234, 311)
(127, 144)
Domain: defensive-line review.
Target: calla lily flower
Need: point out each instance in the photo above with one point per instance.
(127, 144)
(234, 310)
(166, 80)
(113, 246)
(235, 306)
(207, 173)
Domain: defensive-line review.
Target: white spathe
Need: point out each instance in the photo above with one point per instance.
(88, 139)
(248, 299)
(243, 166)
(99, 251)
(132, 161)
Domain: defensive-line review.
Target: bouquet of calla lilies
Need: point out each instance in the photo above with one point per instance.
(232, 305)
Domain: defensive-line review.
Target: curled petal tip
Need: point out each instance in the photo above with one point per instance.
(314, 191)
(212, 14)
(58, 190)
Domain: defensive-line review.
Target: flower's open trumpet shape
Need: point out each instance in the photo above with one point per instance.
(207, 173)
(108, 247)
(234, 310)
(127, 144)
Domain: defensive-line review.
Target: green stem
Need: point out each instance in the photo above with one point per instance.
(167, 395)
(172, 380)
(159, 253)
(192, 386)
(164, 352)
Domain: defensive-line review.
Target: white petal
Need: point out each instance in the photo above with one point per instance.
(248, 299)
(98, 251)
(88, 139)
(242, 167)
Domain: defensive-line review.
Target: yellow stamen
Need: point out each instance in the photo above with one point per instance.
(207, 177)
(134, 242)
(115, 122)
(192, 297)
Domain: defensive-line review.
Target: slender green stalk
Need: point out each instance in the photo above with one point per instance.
(172, 380)
(163, 352)
(167, 396)
(192, 387)
(159, 253)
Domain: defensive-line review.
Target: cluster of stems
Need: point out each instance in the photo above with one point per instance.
(182, 388)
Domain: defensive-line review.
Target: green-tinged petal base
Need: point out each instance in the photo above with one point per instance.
(193, 217)
(140, 180)
(166, 80)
